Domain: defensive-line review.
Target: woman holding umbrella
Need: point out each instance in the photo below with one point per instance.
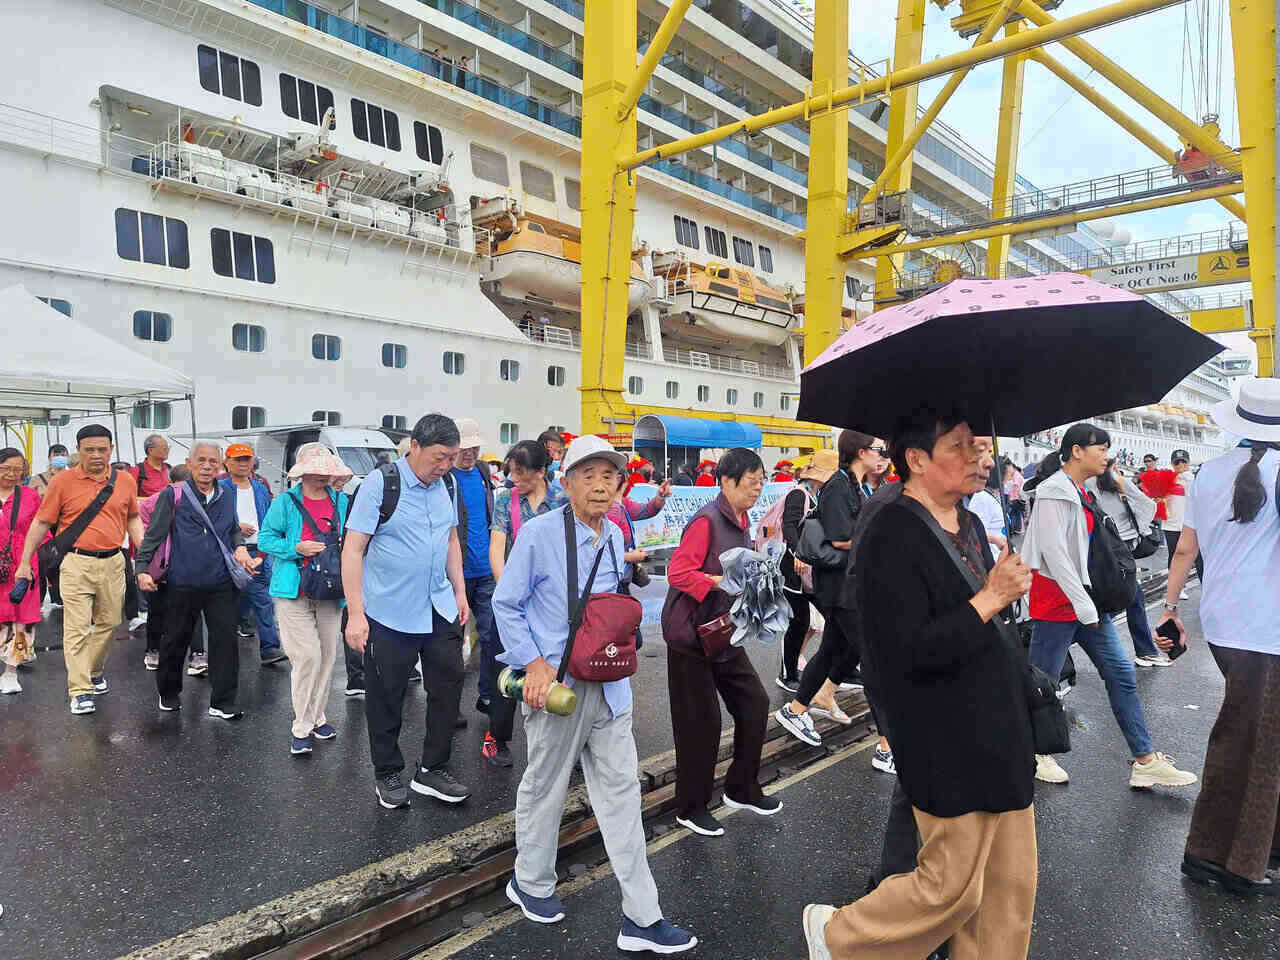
(1057, 551)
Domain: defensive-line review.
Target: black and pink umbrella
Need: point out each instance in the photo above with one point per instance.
(1027, 353)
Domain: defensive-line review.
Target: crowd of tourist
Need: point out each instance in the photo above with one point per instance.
(905, 549)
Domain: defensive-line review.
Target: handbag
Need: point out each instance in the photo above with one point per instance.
(320, 576)
(815, 549)
(715, 636)
(240, 577)
(601, 646)
(53, 552)
(1149, 542)
(158, 568)
(1049, 730)
(6, 552)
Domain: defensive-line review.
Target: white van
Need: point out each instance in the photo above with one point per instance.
(361, 448)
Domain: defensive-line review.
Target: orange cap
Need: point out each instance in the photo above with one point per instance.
(239, 450)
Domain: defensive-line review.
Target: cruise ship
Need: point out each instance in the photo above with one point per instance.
(352, 213)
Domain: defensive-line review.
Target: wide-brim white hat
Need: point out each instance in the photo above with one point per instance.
(319, 462)
(591, 447)
(1256, 414)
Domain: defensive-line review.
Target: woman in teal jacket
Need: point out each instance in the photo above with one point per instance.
(302, 523)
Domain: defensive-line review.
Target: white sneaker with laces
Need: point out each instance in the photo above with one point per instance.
(1159, 771)
(9, 682)
(815, 919)
(882, 760)
(799, 725)
(1159, 660)
(1048, 770)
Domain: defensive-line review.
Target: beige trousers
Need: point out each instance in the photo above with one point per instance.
(975, 884)
(92, 608)
(309, 634)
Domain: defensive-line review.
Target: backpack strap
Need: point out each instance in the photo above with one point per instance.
(517, 514)
(390, 491)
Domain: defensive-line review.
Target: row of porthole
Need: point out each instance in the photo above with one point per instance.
(635, 387)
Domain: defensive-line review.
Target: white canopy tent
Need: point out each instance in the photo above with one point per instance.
(57, 368)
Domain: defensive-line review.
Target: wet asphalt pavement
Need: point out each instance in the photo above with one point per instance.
(129, 826)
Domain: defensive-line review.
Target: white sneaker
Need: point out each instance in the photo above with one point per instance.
(1049, 770)
(1159, 660)
(815, 918)
(137, 621)
(1184, 595)
(9, 682)
(799, 725)
(882, 760)
(199, 665)
(1159, 771)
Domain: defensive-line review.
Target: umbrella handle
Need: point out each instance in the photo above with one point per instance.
(1004, 511)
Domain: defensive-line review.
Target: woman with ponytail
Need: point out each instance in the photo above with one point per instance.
(1233, 522)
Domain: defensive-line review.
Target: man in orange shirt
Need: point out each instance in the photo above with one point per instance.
(92, 572)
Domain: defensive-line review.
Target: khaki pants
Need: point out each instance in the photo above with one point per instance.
(975, 885)
(92, 607)
(309, 634)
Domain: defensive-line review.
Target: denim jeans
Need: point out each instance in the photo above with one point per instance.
(256, 597)
(480, 600)
(1139, 628)
(1049, 643)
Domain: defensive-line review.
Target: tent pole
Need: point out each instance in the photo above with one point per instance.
(191, 399)
(115, 426)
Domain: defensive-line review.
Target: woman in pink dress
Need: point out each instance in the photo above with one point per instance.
(17, 509)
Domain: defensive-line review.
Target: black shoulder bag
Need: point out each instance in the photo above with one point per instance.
(1148, 542)
(52, 553)
(1049, 730)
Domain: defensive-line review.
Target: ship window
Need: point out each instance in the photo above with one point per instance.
(148, 325)
(635, 386)
(757, 400)
(851, 287)
(151, 238)
(538, 182)
(744, 252)
(704, 393)
(489, 165)
(428, 142)
(766, 259)
(248, 337)
(231, 76)
(555, 376)
(509, 433)
(330, 418)
(248, 418)
(784, 401)
(395, 421)
(325, 346)
(509, 370)
(395, 355)
(304, 100)
(731, 397)
(673, 389)
(152, 416)
(242, 256)
(717, 243)
(573, 193)
(62, 306)
(686, 232)
(454, 362)
(375, 125)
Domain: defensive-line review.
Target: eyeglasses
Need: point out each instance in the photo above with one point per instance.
(880, 451)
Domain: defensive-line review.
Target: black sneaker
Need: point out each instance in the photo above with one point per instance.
(701, 822)
(765, 806)
(789, 684)
(170, 704)
(482, 704)
(495, 753)
(219, 714)
(439, 784)
(415, 675)
(273, 655)
(243, 630)
(355, 689)
(391, 792)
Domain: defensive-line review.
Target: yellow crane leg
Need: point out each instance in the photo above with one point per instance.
(1007, 130)
(608, 204)
(828, 181)
(1253, 39)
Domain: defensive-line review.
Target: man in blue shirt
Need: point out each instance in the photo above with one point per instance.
(475, 513)
(531, 606)
(402, 575)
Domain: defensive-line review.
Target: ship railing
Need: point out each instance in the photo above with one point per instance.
(704, 360)
(74, 142)
(540, 332)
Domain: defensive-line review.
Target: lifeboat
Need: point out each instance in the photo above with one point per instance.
(726, 300)
(539, 260)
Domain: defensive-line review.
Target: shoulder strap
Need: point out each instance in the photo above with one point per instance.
(517, 513)
(14, 503)
(1133, 517)
(390, 491)
(577, 605)
(142, 474)
(81, 523)
(311, 519)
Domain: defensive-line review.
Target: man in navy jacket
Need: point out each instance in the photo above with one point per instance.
(251, 500)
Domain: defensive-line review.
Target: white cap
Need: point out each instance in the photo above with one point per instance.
(591, 447)
(469, 430)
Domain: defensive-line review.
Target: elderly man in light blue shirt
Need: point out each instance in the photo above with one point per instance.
(531, 606)
(406, 597)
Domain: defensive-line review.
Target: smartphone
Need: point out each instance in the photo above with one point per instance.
(1169, 630)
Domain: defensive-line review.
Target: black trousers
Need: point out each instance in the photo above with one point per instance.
(836, 658)
(156, 605)
(502, 711)
(696, 685)
(353, 659)
(389, 657)
(221, 609)
(1171, 543)
(797, 630)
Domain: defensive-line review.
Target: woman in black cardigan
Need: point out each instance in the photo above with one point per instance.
(949, 681)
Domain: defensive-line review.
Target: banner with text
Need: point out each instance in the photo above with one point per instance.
(663, 531)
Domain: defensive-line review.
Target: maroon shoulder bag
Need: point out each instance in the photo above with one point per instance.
(602, 627)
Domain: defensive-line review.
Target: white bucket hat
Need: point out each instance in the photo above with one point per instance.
(1256, 414)
(318, 461)
(469, 431)
(591, 447)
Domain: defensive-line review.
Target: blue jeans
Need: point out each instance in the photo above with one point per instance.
(256, 597)
(1049, 643)
(1139, 628)
(480, 600)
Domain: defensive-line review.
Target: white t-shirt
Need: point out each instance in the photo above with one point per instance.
(1240, 605)
(247, 511)
(1176, 505)
(987, 507)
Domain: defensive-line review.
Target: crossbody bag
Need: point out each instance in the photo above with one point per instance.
(601, 646)
(240, 577)
(53, 552)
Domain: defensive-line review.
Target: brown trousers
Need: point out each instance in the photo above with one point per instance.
(1236, 823)
(696, 685)
(92, 607)
(975, 884)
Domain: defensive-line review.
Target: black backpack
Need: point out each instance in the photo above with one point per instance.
(1113, 573)
(320, 577)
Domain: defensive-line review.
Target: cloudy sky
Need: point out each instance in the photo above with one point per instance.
(1064, 139)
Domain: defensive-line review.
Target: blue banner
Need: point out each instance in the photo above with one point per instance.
(662, 532)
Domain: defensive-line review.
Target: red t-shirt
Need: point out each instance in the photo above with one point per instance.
(322, 510)
(1048, 602)
(705, 480)
(153, 480)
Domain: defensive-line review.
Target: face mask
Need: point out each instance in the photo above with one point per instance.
(59, 462)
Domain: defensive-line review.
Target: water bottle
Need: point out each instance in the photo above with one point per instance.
(560, 699)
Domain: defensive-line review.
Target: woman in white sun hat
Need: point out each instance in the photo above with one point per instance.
(1233, 521)
(302, 531)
